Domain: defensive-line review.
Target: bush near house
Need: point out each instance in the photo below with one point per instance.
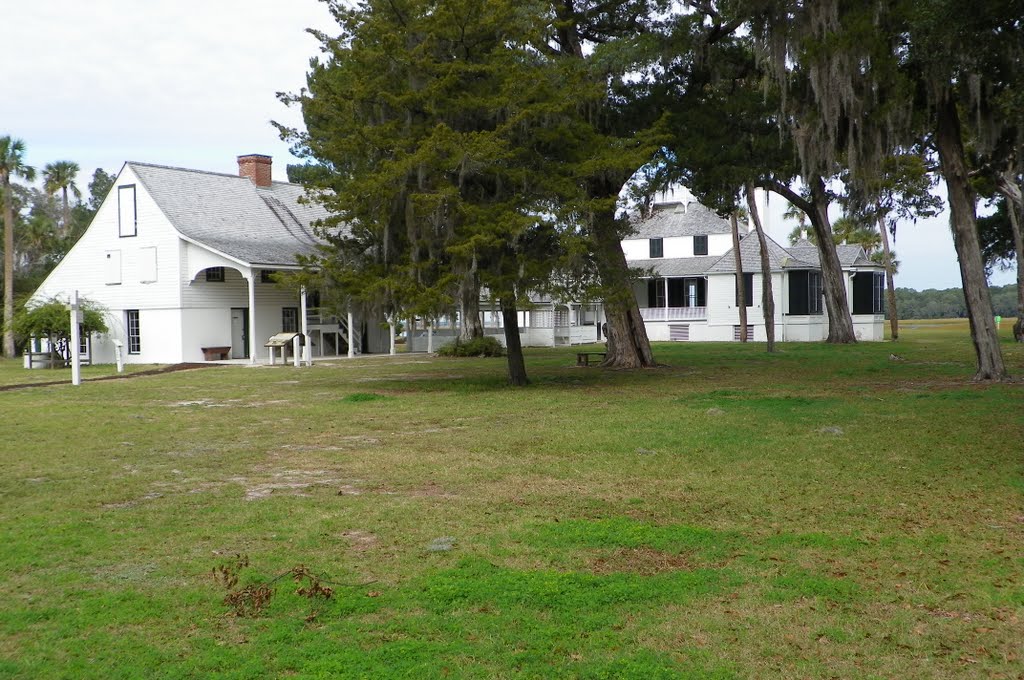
(477, 347)
(52, 320)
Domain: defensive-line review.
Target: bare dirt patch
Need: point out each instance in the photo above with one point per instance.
(359, 541)
(643, 561)
(296, 481)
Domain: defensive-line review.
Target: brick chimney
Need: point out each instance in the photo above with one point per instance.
(256, 167)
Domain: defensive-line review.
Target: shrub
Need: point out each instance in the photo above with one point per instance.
(477, 347)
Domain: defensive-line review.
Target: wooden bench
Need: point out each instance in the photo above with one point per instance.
(583, 358)
(216, 353)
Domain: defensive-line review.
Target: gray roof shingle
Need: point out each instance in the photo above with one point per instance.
(679, 219)
(750, 257)
(676, 266)
(849, 255)
(230, 214)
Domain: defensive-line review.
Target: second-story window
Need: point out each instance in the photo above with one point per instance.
(215, 274)
(657, 247)
(700, 244)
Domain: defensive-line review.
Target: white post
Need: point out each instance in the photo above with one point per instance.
(252, 319)
(391, 330)
(296, 348)
(307, 349)
(351, 337)
(76, 358)
(430, 337)
(119, 356)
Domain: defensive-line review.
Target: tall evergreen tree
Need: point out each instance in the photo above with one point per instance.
(428, 119)
(12, 164)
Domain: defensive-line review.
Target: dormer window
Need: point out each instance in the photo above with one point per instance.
(700, 244)
(657, 248)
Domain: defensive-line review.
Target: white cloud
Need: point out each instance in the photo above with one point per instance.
(188, 83)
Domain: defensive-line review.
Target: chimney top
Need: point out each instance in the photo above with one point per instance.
(256, 167)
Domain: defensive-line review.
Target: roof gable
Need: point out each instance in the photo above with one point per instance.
(231, 215)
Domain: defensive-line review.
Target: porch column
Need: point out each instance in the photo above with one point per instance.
(251, 279)
(351, 336)
(307, 344)
(430, 337)
(391, 331)
(666, 297)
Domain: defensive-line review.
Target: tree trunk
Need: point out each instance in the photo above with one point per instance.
(767, 294)
(840, 323)
(628, 345)
(5, 187)
(470, 327)
(890, 284)
(513, 346)
(67, 214)
(963, 222)
(741, 284)
(1015, 209)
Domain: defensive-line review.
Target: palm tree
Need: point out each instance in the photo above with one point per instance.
(847, 229)
(61, 175)
(12, 164)
(800, 231)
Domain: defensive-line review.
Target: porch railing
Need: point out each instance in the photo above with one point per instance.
(673, 313)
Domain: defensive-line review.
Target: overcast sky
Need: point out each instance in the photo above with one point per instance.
(192, 83)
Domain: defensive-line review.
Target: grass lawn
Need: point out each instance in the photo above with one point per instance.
(824, 512)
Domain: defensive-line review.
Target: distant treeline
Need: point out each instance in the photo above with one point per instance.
(949, 303)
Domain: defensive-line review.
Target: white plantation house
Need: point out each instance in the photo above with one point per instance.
(183, 260)
(689, 292)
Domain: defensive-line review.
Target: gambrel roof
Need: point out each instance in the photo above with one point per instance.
(261, 226)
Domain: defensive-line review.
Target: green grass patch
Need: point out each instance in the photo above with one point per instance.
(359, 397)
(821, 512)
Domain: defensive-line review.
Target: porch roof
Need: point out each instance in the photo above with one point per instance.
(676, 266)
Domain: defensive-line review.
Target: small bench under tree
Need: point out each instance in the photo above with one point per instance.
(584, 358)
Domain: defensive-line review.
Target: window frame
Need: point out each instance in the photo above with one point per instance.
(215, 274)
(133, 331)
(878, 297)
(285, 313)
(121, 231)
(703, 240)
(815, 302)
(748, 292)
(656, 248)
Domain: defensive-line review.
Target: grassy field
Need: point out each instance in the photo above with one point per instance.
(824, 512)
